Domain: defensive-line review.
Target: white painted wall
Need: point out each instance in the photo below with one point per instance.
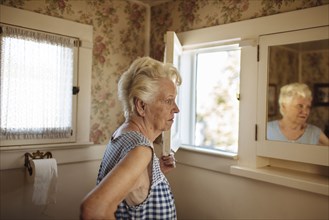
(199, 193)
(206, 194)
(76, 177)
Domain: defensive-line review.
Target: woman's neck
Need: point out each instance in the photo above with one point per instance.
(139, 125)
(286, 124)
(291, 131)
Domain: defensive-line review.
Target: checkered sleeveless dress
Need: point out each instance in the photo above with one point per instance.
(159, 203)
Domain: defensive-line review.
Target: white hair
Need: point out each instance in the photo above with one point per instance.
(293, 90)
(141, 81)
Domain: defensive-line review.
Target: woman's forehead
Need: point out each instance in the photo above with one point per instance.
(300, 99)
(167, 88)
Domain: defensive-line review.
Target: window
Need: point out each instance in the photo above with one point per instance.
(215, 118)
(208, 98)
(40, 65)
(217, 106)
(37, 77)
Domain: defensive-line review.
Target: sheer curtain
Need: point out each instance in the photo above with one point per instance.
(36, 84)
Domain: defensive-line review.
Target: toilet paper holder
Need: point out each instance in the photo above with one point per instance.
(35, 155)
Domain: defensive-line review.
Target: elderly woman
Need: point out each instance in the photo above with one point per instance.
(295, 102)
(131, 182)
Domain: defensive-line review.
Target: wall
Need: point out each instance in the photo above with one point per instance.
(77, 171)
(73, 182)
(205, 194)
(120, 30)
(180, 16)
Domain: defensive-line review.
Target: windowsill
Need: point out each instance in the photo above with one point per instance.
(289, 178)
(230, 155)
(212, 160)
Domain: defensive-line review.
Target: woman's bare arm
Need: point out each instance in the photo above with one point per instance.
(323, 140)
(102, 201)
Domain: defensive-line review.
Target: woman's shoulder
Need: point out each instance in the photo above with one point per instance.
(313, 128)
(273, 123)
(132, 137)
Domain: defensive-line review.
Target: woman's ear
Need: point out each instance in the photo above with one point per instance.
(283, 107)
(140, 106)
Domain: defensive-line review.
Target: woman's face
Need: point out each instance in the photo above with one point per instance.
(298, 110)
(161, 112)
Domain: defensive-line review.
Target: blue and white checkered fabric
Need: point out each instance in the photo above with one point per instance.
(159, 203)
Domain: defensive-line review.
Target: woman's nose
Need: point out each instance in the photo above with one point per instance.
(305, 110)
(176, 109)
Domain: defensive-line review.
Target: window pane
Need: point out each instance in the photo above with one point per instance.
(217, 106)
(36, 86)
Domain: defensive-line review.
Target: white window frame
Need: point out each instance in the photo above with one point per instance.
(31, 20)
(250, 163)
(186, 119)
(186, 63)
(71, 138)
(307, 153)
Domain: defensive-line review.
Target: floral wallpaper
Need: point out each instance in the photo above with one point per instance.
(185, 15)
(315, 70)
(119, 36)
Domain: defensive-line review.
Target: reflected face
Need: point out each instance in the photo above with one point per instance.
(162, 111)
(298, 110)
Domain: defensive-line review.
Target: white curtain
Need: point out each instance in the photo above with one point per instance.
(36, 84)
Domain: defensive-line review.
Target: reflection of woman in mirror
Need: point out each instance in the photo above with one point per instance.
(295, 102)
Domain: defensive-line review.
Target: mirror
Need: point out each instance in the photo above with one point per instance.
(304, 62)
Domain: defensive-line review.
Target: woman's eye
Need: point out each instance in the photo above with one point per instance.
(301, 106)
(169, 101)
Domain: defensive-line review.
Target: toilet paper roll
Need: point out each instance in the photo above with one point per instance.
(45, 181)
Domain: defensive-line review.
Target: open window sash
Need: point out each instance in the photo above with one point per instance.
(173, 50)
(307, 153)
